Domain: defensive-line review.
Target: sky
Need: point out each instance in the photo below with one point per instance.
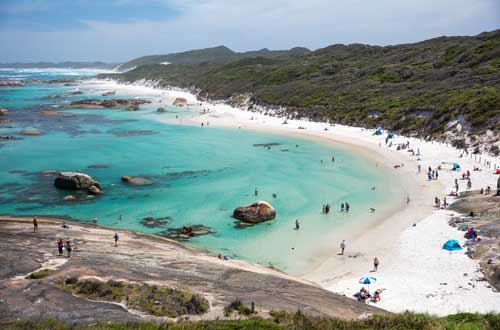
(119, 30)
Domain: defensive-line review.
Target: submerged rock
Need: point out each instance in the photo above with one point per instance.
(30, 132)
(136, 180)
(161, 109)
(151, 222)
(69, 198)
(76, 181)
(186, 232)
(255, 213)
(3, 111)
(130, 104)
(109, 93)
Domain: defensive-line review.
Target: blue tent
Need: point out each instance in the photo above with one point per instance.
(452, 245)
(456, 166)
(378, 132)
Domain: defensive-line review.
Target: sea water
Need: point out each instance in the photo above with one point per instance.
(199, 175)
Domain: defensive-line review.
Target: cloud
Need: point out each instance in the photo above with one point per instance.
(247, 25)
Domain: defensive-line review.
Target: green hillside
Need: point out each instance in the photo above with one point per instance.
(421, 88)
(220, 54)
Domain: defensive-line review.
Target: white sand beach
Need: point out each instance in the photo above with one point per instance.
(415, 273)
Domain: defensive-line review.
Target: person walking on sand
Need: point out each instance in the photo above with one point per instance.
(343, 245)
(297, 224)
(35, 225)
(68, 248)
(375, 264)
(60, 245)
(116, 239)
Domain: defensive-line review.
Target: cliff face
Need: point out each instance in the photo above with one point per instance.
(139, 258)
(444, 85)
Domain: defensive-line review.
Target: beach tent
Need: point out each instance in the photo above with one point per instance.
(378, 132)
(452, 245)
(456, 166)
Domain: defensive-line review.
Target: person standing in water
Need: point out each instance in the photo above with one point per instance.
(342, 207)
(375, 264)
(297, 224)
(115, 237)
(333, 159)
(35, 225)
(256, 192)
(347, 207)
(343, 245)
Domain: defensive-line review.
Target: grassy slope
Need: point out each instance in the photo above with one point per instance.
(281, 321)
(412, 88)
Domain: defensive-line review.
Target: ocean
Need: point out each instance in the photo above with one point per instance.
(199, 174)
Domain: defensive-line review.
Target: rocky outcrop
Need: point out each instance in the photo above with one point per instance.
(255, 213)
(3, 111)
(161, 109)
(129, 104)
(77, 181)
(109, 93)
(30, 132)
(136, 180)
(11, 83)
(180, 101)
(186, 232)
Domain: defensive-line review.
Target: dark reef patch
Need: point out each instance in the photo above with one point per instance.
(271, 144)
(132, 133)
(97, 166)
(151, 222)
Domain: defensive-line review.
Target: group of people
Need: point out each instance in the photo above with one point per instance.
(432, 174)
(438, 204)
(326, 208)
(345, 207)
(365, 295)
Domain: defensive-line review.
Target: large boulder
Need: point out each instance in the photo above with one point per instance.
(255, 213)
(75, 181)
(180, 101)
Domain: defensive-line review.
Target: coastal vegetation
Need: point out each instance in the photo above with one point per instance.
(151, 299)
(39, 274)
(282, 320)
(426, 88)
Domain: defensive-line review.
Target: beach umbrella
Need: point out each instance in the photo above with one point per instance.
(367, 280)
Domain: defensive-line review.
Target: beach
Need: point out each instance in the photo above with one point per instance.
(415, 272)
(406, 235)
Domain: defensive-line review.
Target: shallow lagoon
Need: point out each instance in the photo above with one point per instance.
(199, 176)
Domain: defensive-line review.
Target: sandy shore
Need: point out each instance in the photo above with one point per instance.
(413, 264)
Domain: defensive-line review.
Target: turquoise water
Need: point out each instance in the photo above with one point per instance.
(200, 175)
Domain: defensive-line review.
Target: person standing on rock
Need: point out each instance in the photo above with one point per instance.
(116, 239)
(60, 245)
(343, 245)
(68, 248)
(35, 225)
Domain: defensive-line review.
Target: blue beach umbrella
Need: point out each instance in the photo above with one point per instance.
(367, 280)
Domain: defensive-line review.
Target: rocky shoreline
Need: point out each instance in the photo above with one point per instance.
(481, 212)
(139, 258)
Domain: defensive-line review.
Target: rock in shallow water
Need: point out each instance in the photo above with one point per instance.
(255, 213)
(30, 132)
(135, 180)
(76, 181)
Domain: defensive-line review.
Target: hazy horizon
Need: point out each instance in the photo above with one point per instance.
(116, 31)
